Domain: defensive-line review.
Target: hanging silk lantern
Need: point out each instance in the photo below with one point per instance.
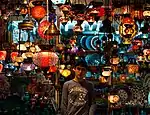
(43, 26)
(127, 29)
(45, 59)
(1, 67)
(13, 56)
(38, 12)
(3, 55)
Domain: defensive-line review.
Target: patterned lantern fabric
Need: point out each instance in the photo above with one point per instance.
(45, 59)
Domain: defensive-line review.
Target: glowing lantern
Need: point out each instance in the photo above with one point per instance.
(52, 69)
(3, 55)
(113, 98)
(45, 59)
(1, 67)
(133, 68)
(38, 12)
(102, 79)
(106, 71)
(65, 72)
(43, 26)
(122, 77)
(114, 60)
(127, 29)
(13, 55)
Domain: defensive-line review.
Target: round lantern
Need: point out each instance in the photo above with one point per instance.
(3, 55)
(127, 29)
(38, 12)
(65, 72)
(45, 59)
(43, 26)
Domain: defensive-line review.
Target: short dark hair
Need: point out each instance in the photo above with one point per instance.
(81, 62)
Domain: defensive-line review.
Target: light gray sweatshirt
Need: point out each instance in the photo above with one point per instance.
(77, 98)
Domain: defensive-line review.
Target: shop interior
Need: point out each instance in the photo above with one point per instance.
(41, 40)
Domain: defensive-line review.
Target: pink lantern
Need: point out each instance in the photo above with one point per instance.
(3, 55)
(45, 59)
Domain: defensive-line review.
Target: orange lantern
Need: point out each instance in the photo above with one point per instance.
(43, 26)
(132, 68)
(38, 12)
(45, 59)
(13, 55)
(3, 55)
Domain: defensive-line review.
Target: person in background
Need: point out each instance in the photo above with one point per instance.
(78, 94)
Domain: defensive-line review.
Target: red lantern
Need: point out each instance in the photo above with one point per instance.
(52, 69)
(1, 67)
(42, 28)
(3, 55)
(101, 12)
(13, 55)
(45, 59)
(38, 12)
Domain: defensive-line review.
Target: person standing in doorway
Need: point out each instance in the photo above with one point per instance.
(78, 96)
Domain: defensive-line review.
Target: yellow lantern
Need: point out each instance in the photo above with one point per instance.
(65, 72)
(128, 29)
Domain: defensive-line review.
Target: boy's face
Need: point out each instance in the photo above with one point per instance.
(80, 72)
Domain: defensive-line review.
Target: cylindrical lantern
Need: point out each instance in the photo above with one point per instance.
(45, 59)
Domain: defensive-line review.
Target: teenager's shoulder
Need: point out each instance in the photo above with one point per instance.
(68, 82)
